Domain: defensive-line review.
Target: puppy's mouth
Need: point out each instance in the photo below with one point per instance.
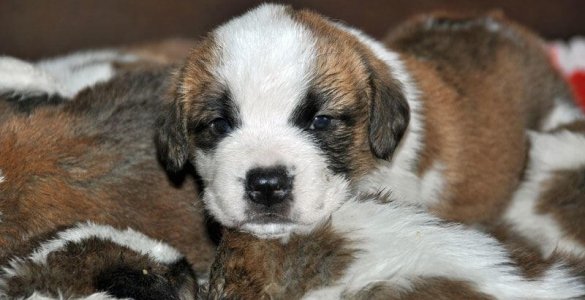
(268, 218)
(271, 226)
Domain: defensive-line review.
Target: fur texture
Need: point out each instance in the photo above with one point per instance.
(437, 116)
(87, 259)
(401, 252)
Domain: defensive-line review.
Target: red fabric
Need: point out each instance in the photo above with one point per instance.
(577, 81)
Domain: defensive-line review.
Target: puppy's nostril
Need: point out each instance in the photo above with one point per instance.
(268, 186)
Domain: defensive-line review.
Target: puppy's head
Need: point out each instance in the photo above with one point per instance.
(279, 110)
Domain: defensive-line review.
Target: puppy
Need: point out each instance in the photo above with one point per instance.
(90, 261)
(283, 112)
(93, 158)
(401, 252)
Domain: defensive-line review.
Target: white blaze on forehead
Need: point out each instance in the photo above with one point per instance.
(266, 61)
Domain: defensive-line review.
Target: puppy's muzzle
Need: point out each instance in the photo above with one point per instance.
(269, 187)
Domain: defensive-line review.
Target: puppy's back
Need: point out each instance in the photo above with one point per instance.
(93, 158)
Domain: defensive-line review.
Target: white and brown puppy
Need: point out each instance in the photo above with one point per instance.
(282, 111)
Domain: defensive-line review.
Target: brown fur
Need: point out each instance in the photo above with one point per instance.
(94, 159)
(576, 126)
(524, 253)
(480, 91)
(90, 266)
(250, 268)
(424, 289)
(564, 199)
(352, 75)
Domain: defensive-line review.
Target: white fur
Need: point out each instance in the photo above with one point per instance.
(548, 153)
(399, 243)
(266, 62)
(24, 77)
(129, 238)
(83, 69)
(564, 112)
(64, 75)
(136, 241)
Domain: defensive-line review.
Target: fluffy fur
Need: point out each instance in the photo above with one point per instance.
(437, 116)
(399, 253)
(547, 209)
(90, 261)
(92, 157)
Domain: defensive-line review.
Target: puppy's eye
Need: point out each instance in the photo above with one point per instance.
(320, 123)
(220, 126)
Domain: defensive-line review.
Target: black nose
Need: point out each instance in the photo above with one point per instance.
(268, 186)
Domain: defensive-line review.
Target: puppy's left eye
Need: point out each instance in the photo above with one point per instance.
(320, 123)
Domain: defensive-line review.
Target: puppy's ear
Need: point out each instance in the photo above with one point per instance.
(389, 113)
(171, 139)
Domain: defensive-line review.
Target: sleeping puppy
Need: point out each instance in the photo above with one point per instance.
(283, 112)
(100, 262)
(400, 252)
(93, 158)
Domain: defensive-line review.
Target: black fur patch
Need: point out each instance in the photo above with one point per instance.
(389, 114)
(335, 140)
(128, 282)
(27, 103)
(171, 142)
(199, 125)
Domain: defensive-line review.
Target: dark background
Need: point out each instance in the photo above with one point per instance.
(38, 28)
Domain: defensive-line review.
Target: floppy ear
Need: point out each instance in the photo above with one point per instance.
(389, 113)
(171, 139)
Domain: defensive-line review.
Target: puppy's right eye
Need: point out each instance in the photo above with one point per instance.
(220, 126)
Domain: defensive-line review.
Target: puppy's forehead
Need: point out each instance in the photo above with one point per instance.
(267, 61)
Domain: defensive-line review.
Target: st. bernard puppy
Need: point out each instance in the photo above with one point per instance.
(283, 112)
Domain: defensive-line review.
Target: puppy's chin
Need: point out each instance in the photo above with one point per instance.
(280, 231)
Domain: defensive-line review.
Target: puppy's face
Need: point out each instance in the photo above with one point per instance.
(279, 110)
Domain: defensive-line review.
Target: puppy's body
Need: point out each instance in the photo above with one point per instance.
(93, 159)
(484, 81)
(401, 252)
(317, 109)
